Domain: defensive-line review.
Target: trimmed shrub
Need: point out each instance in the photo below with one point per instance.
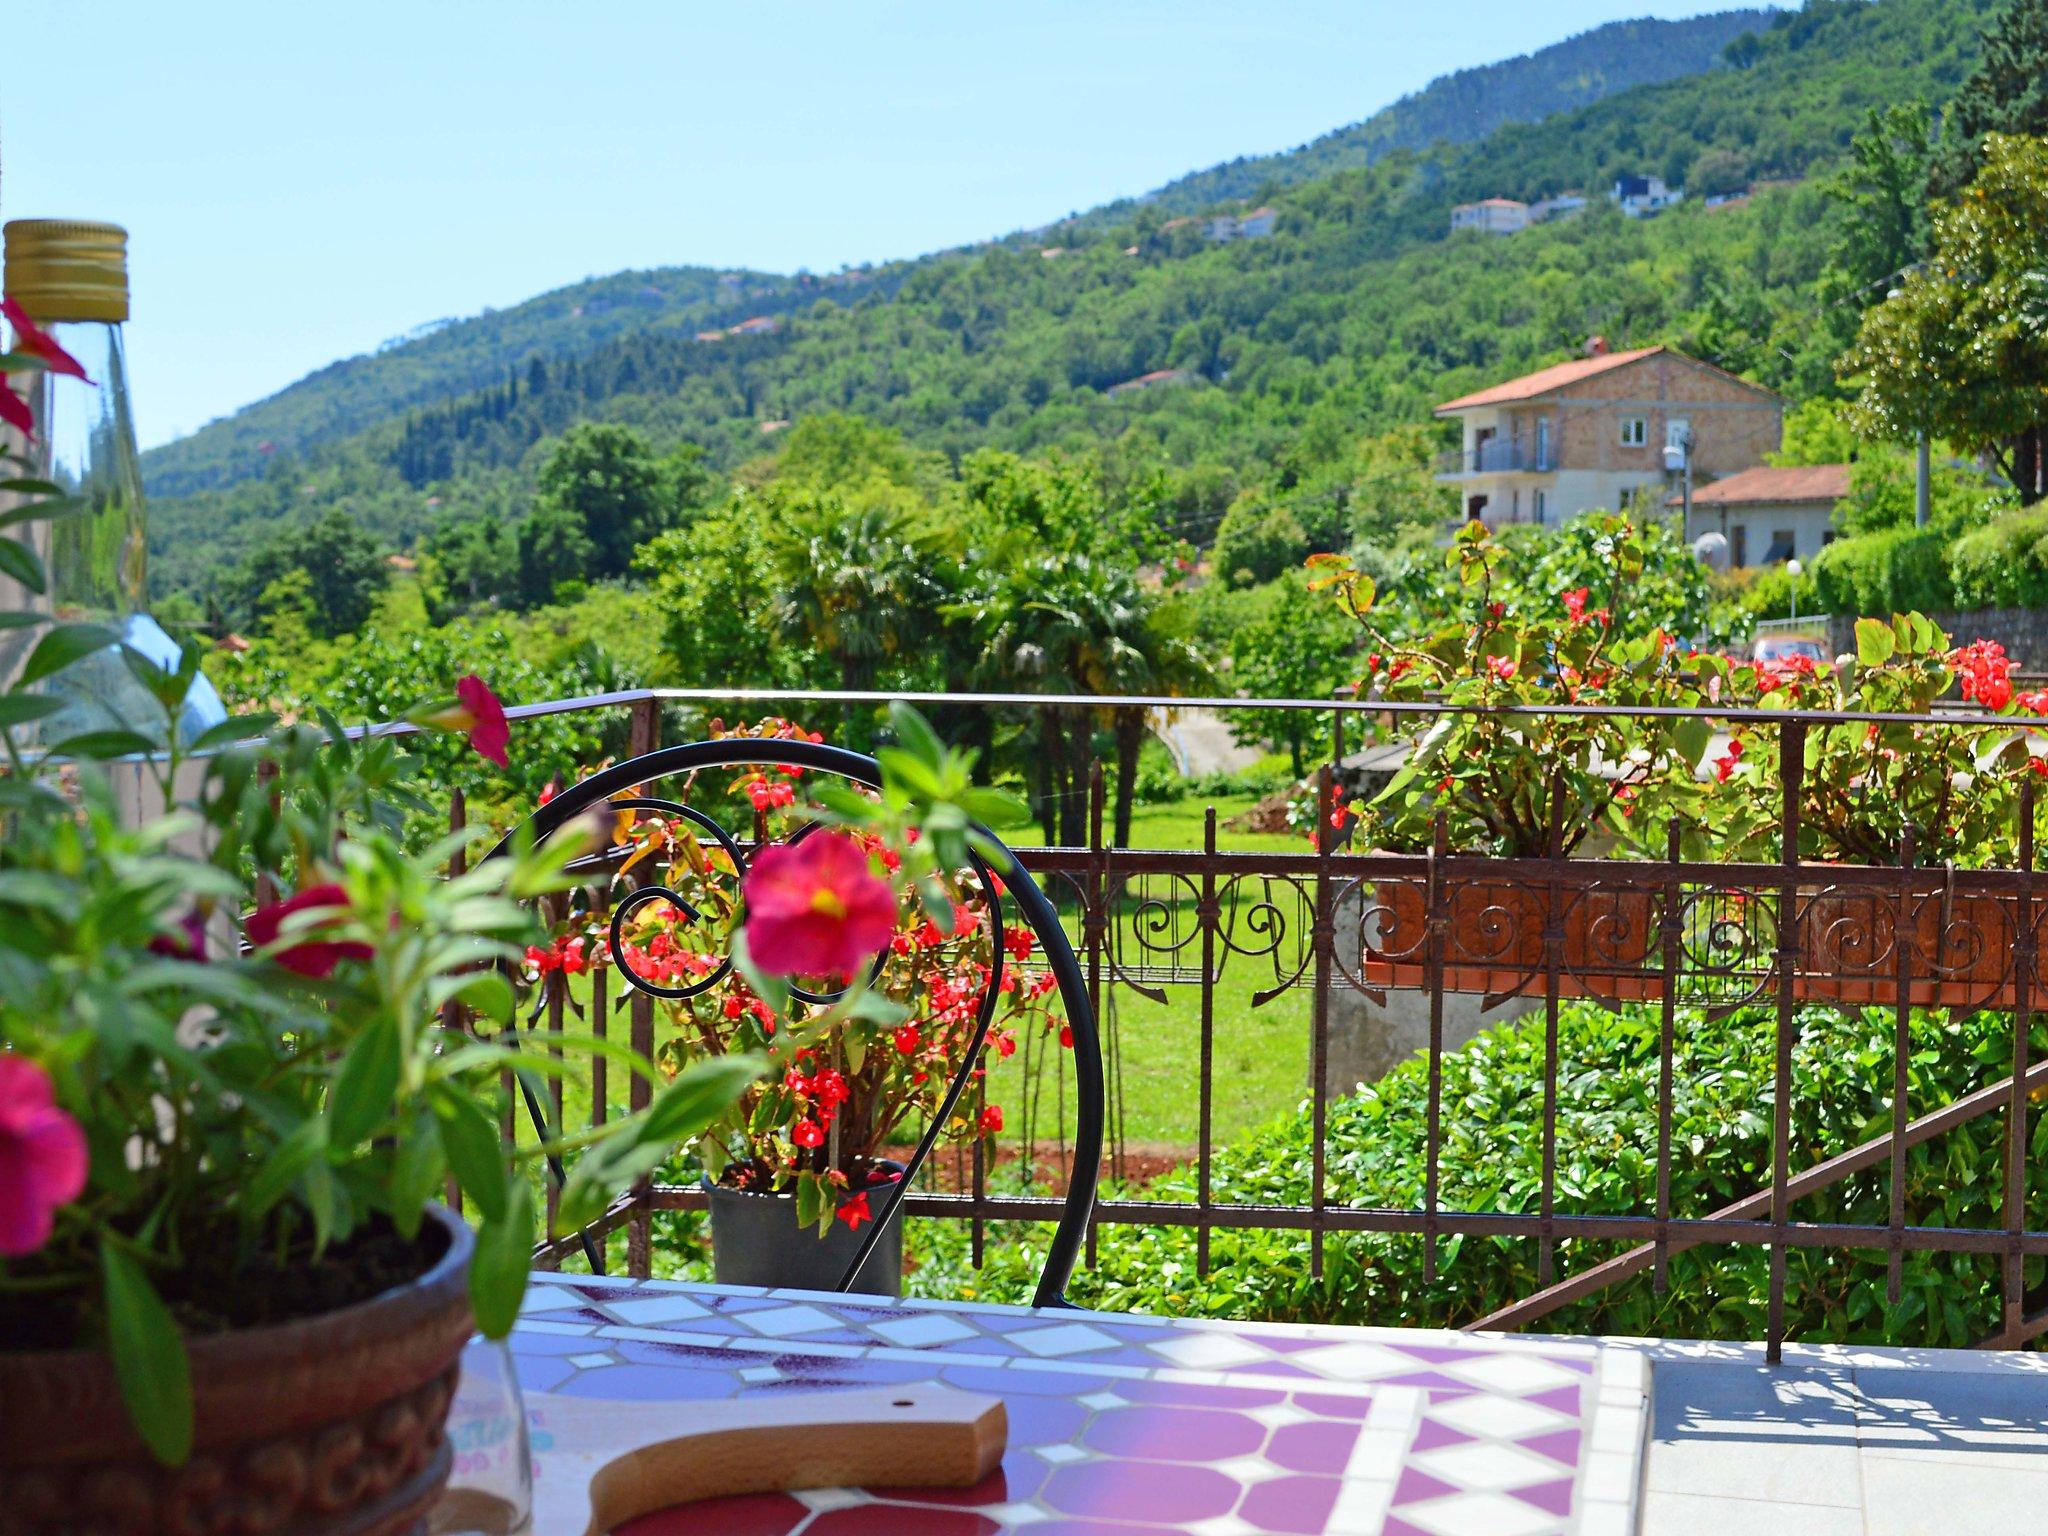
(2004, 564)
(1902, 570)
(1606, 1163)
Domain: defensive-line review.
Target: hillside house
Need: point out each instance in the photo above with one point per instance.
(759, 325)
(1561, 206)
(1769, 514)
(1491, 216)
(1641, 196)
(1158, 378)
(1591, 432)
(1255, 225)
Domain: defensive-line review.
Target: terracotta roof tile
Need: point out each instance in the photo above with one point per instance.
(1544, 380)
(1767, 483)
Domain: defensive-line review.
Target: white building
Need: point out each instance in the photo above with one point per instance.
(1492, 216)
(1769, 515)
(1641, 196)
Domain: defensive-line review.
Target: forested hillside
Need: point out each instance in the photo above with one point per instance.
(457, 356)
(1470, 104)
(1353, 317)
(472, 353)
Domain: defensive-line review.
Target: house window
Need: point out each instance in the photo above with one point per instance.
(1538, 495)
(1516, 505)
(1781, 546)
(1738, 544)
(1635, 431)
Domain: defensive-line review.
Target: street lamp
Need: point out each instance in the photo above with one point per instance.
(1795, 570)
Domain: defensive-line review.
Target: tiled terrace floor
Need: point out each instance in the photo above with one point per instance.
(1845, 1442)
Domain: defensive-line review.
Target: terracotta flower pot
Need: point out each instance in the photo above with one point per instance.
(328, 1426)
(1494, 943)
(1848, 951)
(755, 1240)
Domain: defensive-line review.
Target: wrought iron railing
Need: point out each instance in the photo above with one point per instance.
(1357, 936)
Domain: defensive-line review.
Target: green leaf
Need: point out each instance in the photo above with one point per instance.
(363, 1089)
(488, 995)
(20, 708)
(417, 1170)
(228, 732)
(62, 646)
(916, 735)
(470, 1139)
(20, 562)
(26, 487)
(1875, 642)
(99, 746)
(149, 1358)
(995, 807)
(504, 1254)
(681, 1112)
(290, 1158)
(910, 771)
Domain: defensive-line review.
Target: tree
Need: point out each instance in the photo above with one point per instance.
(1074, 624)
(1962, 351)
(606, 476)
(716, 588)
(854, 584)
(554, 548)
(1880, 198)
(2006, 93)
(1298, 648)
(468, 562)
(343, 571)
(1256, 542)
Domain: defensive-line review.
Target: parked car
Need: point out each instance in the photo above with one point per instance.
(1785, 647)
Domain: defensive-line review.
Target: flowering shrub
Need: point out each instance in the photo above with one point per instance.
(226, 1093)
(867, 947)
(1517, 783)
(1865, 785)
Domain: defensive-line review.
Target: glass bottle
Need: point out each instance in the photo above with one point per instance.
(71, 278)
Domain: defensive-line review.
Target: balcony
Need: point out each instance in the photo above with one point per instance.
(1470, 1094)
(1498, 456)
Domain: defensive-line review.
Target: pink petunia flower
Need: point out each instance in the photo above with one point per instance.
(817, 908)
(39, 343)
(310, 956)
(42, 1156)
(477, 714)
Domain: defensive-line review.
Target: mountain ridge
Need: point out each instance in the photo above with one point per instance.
(473, 352)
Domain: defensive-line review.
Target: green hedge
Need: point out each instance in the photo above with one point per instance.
(2004, 564)
(1606, 1161)
(1902, 570)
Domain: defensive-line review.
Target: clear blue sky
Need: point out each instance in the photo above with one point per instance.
(302, 181)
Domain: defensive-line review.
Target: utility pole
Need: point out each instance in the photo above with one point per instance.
(1922, 488)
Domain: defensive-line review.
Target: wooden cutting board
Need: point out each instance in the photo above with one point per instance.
(598, 1464)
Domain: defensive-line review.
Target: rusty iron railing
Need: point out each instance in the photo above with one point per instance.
(1353, 929)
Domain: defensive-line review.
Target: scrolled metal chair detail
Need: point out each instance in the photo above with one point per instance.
(631, 786)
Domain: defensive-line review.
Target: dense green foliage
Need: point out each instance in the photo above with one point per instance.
(2004, 565)
(1901, 570)
(1492, 1159)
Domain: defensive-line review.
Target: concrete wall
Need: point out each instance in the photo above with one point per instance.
(2022, 631)
(1808, 522)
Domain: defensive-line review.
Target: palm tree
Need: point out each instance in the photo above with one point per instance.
(1076, 624)
(855, 583)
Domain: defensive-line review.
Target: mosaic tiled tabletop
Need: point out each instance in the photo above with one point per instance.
(1129, 1426)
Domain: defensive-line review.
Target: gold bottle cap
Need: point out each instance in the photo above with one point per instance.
(68, 269)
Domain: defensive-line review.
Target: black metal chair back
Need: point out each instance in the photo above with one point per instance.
(646, 773)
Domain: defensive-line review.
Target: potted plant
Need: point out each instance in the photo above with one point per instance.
(1503, 782)
(868, 943)
(229, 1295)
(1873, 793)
